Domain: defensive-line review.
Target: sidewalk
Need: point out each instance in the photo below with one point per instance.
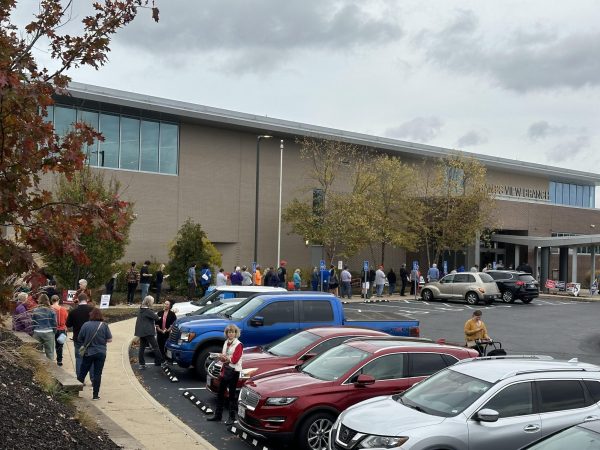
(126, 402)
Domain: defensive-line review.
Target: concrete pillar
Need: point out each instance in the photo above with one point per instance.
(477, 250)
(563, 263)
(593, 265)
(574, 266)
(544, 267)
(517, 256)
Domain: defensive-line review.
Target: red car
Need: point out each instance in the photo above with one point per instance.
(302, 405)
(288, 352)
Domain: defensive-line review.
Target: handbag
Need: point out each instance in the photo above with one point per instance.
(84, 348)
(62, 338)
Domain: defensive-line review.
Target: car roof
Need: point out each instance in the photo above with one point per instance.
(494, 369)
(378, 345)
(344, 331)
(247, 288)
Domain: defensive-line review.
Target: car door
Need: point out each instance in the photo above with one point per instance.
(564, 403)
(314, 313)
(517, 426)
(279, 318)
(462, 282)
(445, 286)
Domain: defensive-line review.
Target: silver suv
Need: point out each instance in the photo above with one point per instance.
(493, 403)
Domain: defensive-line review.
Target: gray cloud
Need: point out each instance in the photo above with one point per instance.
(542, 130)
(535, 59)
(472, 138)
(420, 129)
(568, 150)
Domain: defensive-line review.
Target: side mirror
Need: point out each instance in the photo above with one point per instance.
(257, 321)
(307, 356)
(488, 415)
(364, 380)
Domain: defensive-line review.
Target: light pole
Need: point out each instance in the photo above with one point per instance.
(280, 186)
(258, 138)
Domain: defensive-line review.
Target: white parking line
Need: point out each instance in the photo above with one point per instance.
(190, 389)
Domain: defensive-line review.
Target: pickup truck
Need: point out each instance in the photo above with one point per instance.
(262, 319)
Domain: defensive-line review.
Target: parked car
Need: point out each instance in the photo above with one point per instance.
(474, 287)
(492, 403)
(515, 285)
(301, 406)
(585, 436)
(288, 352)
(265, 318)
(217, 307)
(219, 293)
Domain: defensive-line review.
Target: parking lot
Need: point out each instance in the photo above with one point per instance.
(560, 328)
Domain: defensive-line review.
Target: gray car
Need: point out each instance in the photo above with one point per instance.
(492, 403)
(472, 287)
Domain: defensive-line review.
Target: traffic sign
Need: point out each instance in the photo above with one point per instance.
(366, 266)
(254, 267)
(445, 266)
(322, 264)
(415, 265)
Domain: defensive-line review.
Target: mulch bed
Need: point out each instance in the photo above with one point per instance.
(30, 418)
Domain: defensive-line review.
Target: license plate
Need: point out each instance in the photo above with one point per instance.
(241, 411)
(169, 354)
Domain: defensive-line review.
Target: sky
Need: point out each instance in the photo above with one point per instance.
(512, 78)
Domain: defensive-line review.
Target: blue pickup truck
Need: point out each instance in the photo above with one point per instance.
(265, 318)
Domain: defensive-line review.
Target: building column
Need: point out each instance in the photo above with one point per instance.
(544, 267)
(517, 256)
(478, 250)
(563, 264)
(593, 265)
(574, 266)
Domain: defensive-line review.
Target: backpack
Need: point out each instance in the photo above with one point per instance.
(132, 276)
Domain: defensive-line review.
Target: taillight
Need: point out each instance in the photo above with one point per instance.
(520, 283)
(414, 332)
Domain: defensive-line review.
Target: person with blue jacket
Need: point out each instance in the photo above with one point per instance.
(297, 280)
(44, 325)
(205, 278)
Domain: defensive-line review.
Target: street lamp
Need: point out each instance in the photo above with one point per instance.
(280, 185)
(258, 138)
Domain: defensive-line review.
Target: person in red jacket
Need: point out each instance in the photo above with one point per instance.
(61, 326)
(231, 357)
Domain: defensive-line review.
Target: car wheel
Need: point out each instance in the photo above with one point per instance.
(427, 295)
(508, 297)
(314, 433)
(526, 300)
(472, 298)
(202, 362)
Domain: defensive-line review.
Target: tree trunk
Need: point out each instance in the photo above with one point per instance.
(382, 253)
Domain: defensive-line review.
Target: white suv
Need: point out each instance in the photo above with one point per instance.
(493, 403)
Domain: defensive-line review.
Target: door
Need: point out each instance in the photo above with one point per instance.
(462, 283)
(445, 286)
(315, 313)
(564, 403)
(517, 426)
(279, 317)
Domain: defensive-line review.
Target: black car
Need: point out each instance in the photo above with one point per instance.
(515, 285)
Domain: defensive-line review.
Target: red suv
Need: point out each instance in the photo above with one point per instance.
(288, 352)
(303, 405)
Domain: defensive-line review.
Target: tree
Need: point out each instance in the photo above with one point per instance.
(456, 204)
(394, 210)
(191, 246)
(31, 218)
(102, 254)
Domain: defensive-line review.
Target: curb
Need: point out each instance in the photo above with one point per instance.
(247, 438)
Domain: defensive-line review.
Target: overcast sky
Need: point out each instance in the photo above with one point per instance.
(511, 78)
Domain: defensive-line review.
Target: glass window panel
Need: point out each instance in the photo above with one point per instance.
(50, 116)
(552, 192)
(149, 146)
(109, 149)
(63, 119)
(586, 196)
(91, 151)
(130, 143)
(169, 135)
(579, 195)
(565, 194)
(592, 197)
(559, 195)
(573, 195)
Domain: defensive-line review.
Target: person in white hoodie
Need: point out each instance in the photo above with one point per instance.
(380, 281)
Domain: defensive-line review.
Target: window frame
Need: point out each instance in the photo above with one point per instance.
(538, 389)
(412, 356)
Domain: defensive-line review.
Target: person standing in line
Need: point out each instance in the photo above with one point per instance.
(433, 274)
(50, 290)
(133, 278)
(145, 329)
(274, 279)
(246, 277)
(22, 317)
(160, 277)
(371, 279)
(257, 277)
(83, 289)
(380, 280)
(346, 279)
(75, 320)
(110, 284)
(314, 279)
(282, 274)
(205, 279)
(231, 357)
(94, 335)
(44, 325)
(236, 277)
(192, 283)
(403, 279)
(391, 277)
(61, 326)
(164, 323)
(333, 281)
(145, 278)
(221, 278)
(297, 279)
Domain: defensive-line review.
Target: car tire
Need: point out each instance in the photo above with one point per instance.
(472, 298)
(508, 296)
(202, 362)
(427, 295)
(314, 432)
(526, 300)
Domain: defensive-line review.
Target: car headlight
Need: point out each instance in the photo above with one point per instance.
(280, 401)
(247, 373)
(383, 441)
(187, 336)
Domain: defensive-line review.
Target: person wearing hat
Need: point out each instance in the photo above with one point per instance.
(282, 273)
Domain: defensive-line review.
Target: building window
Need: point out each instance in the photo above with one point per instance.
(129, 143)
(571, 194)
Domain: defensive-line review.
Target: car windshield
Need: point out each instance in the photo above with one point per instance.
(334, 363)
(246, 308)
(445, 394)
(575, 437)
(291, 344)
(486, 278)
(215, 308)
(209, 298)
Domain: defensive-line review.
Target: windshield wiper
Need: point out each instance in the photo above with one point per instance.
(411, 405)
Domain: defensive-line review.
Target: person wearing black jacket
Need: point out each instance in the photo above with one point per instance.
(391, 277)
(371, 282)
(164, 323)
(75, 320)
(403, 279)
(145, 329)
